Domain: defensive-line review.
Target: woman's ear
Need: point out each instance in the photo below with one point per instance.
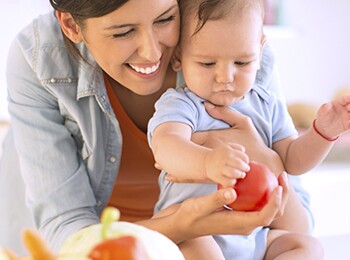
(176, 60)
(69, 27)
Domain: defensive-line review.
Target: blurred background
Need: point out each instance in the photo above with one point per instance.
(14, 15)
(312, 44)
(311, 39)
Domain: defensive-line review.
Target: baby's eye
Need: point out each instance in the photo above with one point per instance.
(207, 64)
(241, 63)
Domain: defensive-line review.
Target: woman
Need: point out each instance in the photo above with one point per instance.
(82, 79)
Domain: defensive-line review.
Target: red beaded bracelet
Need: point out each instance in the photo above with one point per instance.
(324, 137)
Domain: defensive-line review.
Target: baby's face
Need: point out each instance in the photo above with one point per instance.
(220, 62)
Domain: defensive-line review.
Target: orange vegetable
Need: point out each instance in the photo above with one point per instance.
(37, 247)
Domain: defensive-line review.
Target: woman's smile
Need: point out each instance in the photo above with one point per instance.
(145, 71)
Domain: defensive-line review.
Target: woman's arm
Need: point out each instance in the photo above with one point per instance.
(51, 164)
(297, 216)
(243, 132)
(206, 215)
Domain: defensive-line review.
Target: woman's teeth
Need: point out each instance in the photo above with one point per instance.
(146, 70)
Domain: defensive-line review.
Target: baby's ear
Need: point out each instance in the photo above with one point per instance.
(262, 44)
(176, 59)
(263, 40)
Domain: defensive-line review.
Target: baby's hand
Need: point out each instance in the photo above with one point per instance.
(226, 163)
(333, 118)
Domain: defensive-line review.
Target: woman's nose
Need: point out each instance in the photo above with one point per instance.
(149, 47)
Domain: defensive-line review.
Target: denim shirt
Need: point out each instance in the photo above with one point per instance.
(66, 134)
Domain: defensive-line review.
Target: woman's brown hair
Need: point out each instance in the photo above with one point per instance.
(82, 10)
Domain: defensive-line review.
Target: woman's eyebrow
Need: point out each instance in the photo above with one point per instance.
(118, 26)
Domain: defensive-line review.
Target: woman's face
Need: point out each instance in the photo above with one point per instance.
(134, 44)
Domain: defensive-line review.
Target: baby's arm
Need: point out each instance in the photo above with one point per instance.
(175, 153)
(333, 118)
(301, 154)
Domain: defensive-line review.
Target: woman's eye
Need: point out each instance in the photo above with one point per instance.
(123, 35)
(166, 20)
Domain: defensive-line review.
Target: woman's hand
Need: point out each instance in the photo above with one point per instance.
(206, 215)
(295, 217)
(242, 132)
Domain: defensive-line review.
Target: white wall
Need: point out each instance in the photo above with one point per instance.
(14, 14)
(315, 62)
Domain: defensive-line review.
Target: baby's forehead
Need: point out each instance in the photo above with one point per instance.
(192, 26)
(196, 15)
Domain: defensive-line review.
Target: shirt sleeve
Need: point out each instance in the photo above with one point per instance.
(282, 123)
(173, 106)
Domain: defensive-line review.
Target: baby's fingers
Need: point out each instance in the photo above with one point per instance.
(233, 172)
(345, 100)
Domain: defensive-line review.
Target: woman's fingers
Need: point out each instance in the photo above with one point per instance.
(223, 113)
(233, 222)
(238, 147)
(283, 182)
(272, 209)
(206, 215)
(206, 205)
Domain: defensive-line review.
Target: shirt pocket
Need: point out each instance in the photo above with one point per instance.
(74, 129)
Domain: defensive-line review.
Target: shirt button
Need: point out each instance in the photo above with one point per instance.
(69, 80)
(53, 80)
(112, 159)
(99, 203)
(103, 98)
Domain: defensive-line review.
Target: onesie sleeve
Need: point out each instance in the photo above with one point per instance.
(173, 106)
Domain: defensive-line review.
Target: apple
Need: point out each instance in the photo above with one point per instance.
(255, 189)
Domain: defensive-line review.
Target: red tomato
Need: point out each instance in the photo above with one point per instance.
(121, 248)
(255, 189)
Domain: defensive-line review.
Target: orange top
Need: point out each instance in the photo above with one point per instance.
(136, 189)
